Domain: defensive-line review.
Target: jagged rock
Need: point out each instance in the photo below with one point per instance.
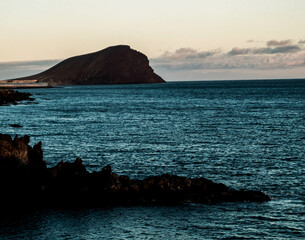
(113, 65)
(68, 170)
(8, 96)
(16, 153)
(23, 174)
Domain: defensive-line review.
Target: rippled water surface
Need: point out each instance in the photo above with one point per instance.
(246, 134)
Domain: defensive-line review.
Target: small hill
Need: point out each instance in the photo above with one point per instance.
(113, 65)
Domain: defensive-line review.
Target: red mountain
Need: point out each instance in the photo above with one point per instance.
(113, 65)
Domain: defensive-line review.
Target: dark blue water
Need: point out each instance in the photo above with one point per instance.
(245, 134)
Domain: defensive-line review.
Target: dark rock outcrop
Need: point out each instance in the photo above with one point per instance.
(25, 178)
(16, 125)
(8, 96)
(113, 65)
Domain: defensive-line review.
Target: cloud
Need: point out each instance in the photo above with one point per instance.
(280, 56)
(252, 41)
(188, 53)
(24, 68)
(184, 59)
(283, 49)
(266, 50)
(301, 42)
(239, 51)
(28, 64)
(276, 56)
(273, 43)
(272, 47)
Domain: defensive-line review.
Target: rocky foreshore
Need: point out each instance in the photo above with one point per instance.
(26, 182)
(8, 96)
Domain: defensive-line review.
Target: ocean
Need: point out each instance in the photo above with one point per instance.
(245, 134)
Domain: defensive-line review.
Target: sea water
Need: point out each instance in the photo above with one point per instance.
(245, 134)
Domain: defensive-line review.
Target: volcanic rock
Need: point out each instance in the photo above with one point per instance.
(16, 125)
(16, 153)
(25, 181)
(113, 65)
(8, 96)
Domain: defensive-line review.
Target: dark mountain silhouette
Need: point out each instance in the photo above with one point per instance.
(113, 65)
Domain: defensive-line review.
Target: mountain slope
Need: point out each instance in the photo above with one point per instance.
(113, 65)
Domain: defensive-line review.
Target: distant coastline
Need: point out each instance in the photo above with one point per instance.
(23, 84)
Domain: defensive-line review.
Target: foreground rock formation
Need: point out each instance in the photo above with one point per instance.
(113, 65)
(25, 181)
(8, 96)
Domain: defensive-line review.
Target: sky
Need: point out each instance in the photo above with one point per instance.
(184, 40)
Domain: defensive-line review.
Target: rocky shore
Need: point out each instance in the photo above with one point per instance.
(8, 96)
(26, 182)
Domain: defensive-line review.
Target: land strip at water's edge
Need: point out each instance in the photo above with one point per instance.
(23, 84)
(26, 182)
(8, 96)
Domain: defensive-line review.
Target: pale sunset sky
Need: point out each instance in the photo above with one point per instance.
(184, 40)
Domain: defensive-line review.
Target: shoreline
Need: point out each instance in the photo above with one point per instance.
(9, 96)
(12, 84)
(23, 172)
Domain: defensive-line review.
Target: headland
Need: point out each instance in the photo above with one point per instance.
(113, 65)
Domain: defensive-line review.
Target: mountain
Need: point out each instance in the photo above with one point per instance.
(113, 65)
